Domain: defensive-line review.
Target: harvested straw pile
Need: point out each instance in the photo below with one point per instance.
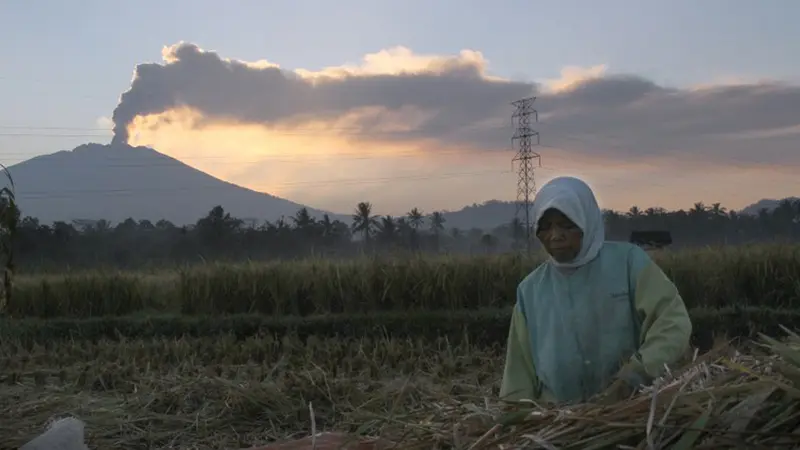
(725, 399)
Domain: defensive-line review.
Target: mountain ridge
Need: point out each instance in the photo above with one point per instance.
(116, 182)
(765, 203)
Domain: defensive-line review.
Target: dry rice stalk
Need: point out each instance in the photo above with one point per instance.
(727, 398)
(722, 399)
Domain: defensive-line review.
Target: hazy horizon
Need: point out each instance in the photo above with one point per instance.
(408, 105)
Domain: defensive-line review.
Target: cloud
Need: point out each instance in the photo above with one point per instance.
(572, 77)
(397, 112)
(450, 92)
(396, 95)
(104, 122)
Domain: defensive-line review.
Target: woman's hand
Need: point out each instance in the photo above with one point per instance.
(628, 380)
(617, 391)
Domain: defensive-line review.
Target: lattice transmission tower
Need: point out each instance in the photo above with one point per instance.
(526, 137)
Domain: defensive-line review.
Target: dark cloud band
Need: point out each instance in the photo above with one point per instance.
(619, 116)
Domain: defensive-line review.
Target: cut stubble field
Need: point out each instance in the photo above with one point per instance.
(226, 393)
(221, 392)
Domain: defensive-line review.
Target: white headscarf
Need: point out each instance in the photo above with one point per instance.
(574, 199)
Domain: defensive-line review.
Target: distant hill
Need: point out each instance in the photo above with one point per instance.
(494, 213)
(486, 216)
(769, 204)
(115, 182)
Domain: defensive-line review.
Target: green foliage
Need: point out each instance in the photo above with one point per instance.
(756, 276)
(218, 236)
(9, 221)
(90, 294)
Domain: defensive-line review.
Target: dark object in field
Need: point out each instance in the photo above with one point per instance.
(651, 239)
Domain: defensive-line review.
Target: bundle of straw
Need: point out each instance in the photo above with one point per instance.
(724, 399)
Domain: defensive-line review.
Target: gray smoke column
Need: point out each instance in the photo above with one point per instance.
(149, 93)
(204, 81)
(219, 88)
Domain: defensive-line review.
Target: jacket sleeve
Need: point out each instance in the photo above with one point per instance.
(519, 376)
(665, 326)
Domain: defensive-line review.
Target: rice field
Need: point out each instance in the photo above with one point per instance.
(234, 356)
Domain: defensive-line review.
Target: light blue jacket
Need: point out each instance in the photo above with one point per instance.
(573, 330)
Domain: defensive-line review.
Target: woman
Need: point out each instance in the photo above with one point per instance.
(596, 317)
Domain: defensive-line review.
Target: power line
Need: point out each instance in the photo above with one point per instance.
(582, 138)
(26, 131)
(69, 193)
(304, 158)
(326, 157)
(526, 183)
(33, 195)
(355, 131)
(292, 130)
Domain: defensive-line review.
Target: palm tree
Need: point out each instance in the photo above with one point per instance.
(326, 225)
(405, 232)
(437, 222)
(415, 218)
(363, 220)
(328, 230)
(217, 226)
(304, 224)
(302, 219)
(437, 226)
(699, 210)
(387, 230)
(717, 210)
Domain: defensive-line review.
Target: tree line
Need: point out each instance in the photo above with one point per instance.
(220, 236)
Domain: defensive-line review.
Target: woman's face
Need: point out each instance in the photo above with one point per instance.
(559, 235)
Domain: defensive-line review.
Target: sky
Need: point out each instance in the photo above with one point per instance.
(407, 103)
